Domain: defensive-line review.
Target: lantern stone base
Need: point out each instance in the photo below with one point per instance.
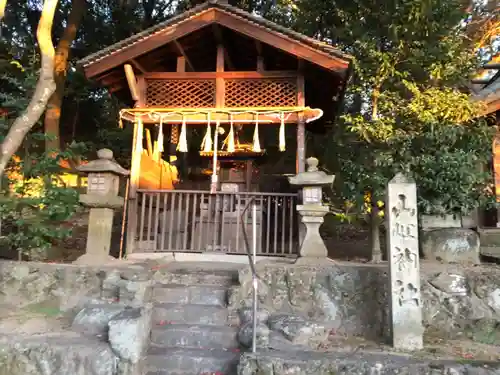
(98, 237)
(313, 249)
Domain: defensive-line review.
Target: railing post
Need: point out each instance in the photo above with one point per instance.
(254, 275)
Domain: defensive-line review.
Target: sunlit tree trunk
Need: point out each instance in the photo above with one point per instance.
(375, 233)
(53, 113)
(376, 251)
(44, 89)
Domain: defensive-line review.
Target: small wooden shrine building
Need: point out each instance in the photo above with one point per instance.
(217, 73)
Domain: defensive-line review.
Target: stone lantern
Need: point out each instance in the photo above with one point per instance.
(102, 199)
(312, 210)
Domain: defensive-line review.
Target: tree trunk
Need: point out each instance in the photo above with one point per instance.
(3, 4)
(53, 113)
(375, 234)
(44, 88)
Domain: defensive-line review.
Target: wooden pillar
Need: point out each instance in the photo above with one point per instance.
(135, 171)
(219, 83)
(301, 124)
(219, 103)
(248, 175)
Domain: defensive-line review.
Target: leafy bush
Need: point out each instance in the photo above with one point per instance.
(36, 204)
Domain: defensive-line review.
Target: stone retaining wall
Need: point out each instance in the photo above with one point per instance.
(352, 298)
(344, 363)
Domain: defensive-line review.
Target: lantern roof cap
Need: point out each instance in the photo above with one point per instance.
(313, 176)
(104, 164)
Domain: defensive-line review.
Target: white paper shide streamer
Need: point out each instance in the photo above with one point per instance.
(182, 146)
(230, 142)
(256, 141)
(206, 144)
(282, 145)
(160, 136)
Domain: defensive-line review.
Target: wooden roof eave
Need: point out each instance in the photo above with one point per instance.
(224, 18)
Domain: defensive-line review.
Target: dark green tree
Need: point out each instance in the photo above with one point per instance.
(407, 107)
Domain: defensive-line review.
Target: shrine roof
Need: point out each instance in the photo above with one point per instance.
(210, 12)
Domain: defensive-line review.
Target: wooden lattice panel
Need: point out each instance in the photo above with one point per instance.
(180, 93)
(275, 92)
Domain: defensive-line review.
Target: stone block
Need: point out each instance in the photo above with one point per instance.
(246, 315)
(129, 333)
(194, 336)
(485, 331)
(440, 221)
(452, 284)
(61, 354)
(245, 335)
(298, 330)
(94, 319)
(453, 245)
(135, 293)
(490, 242)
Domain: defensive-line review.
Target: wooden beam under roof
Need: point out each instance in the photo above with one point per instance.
(260, 57)
(111, 79)
(220, 41)
(179, 48)
(226, 75)
(138, 66)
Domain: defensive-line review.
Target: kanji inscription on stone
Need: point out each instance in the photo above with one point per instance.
(402, 234)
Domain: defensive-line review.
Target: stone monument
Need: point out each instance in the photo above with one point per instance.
(402, 235)
(102, 199)
(312, 210)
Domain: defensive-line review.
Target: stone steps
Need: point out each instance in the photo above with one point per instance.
(171, 313)
(194, 336)
(191, 361)
(221, 278)
(190, 294)
(190, 334)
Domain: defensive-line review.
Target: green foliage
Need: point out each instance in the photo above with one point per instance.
(446, 162)
(118, 140)
(36, 203)
(407, 108)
